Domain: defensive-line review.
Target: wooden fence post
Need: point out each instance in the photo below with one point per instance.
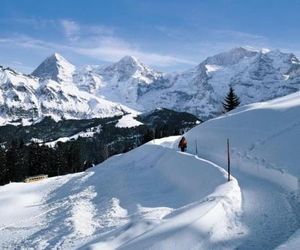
(228, 159)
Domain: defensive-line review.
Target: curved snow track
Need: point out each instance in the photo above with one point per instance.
(266, 213)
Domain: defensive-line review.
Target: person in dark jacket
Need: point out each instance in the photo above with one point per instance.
(182, 144)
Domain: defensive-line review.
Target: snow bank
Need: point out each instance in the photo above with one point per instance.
(142, 195)
(200, 225)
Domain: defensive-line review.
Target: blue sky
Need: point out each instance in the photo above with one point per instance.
(168, 35)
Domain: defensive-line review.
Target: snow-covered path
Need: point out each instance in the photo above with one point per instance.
(267, 215)
(268, 218)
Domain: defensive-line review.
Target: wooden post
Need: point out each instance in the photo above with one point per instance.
(228, 159)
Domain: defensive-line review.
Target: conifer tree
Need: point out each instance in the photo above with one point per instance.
(231, 100)
(149, 135)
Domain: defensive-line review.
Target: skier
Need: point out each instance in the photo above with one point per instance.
(182, 144)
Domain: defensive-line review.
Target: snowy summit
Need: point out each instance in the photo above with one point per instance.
(56, 68)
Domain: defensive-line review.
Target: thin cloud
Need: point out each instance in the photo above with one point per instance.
(71, 29)
(75, 31)
(234, 35)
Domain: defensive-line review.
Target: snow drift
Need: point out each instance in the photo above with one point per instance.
(150, 189)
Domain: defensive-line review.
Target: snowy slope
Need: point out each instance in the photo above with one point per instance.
(155, 197)
(292, 243)
(263, 133)
(150, 189)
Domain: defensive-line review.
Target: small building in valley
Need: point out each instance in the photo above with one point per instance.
(35, 178)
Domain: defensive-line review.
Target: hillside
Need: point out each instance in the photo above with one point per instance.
(48, 130)
(68, 146)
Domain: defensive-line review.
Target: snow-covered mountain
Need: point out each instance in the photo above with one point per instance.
(155, 197)
(55, 68)
(255, 75)
(125, 81)
(60, 89)
(18, 97)
(50, 91)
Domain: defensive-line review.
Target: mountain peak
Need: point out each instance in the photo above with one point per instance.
(129, 61)
(126, 67)
(241, 49)
(58, 56)
(55, 67)
(230, 57)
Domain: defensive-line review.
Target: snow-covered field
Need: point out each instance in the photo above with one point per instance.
(155, 197)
